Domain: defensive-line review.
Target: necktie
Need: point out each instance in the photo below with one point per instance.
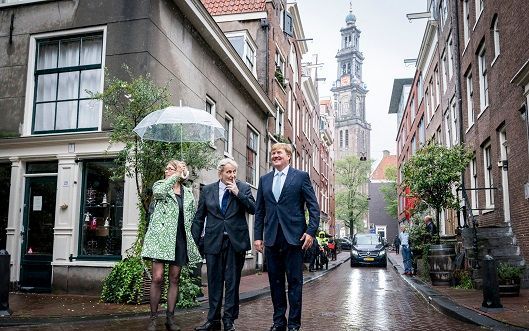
(225, 199)
(276, 189)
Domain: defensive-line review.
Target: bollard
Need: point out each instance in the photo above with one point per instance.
(491, 290)
(4, 283)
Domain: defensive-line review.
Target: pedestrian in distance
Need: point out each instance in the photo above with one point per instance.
(168, 238)
(332, 248)
(282, 197)
(396, 244)
(223, 206)
(406, 251)
(431, 229)
(313, 251)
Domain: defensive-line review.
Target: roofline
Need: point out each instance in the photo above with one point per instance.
(398, 86)
(197, 14)
(429, 33)
(298, 27)
(240, 16)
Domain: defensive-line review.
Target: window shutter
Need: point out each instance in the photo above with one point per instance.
(288, 28)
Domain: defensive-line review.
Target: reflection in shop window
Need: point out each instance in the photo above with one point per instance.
(101, 210)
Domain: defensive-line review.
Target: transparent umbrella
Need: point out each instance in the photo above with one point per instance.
(180, 124)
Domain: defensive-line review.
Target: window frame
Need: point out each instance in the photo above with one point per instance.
(488, 176)
(31, 86)
(495, 38)
(249, 44)
(483, 83)
(280, 119)
(474, 201)
(228, 143)
(470, 95)
(251, 129)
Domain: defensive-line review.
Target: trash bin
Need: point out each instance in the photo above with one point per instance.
(5, 260)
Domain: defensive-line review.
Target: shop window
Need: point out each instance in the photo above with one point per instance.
(101, 210)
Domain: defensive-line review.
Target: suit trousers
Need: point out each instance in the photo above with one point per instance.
(283, 258)
(224, 270)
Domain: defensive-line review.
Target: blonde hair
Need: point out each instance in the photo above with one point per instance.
(175, 163)
(286, 147)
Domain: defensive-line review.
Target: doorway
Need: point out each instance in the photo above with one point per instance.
(37, 233)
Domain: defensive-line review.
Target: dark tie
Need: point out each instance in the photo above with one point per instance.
(225, 198)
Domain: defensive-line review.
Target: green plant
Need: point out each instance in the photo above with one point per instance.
(463, 279)
(431, 173)
(508, 273)
(279, 76)
(125, 281)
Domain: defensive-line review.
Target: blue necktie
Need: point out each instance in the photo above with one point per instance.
(225, 198)
(276, 189)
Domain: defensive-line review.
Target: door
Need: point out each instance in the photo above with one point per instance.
(504, 168)
(37, 233)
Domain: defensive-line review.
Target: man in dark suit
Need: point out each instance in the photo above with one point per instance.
(282, 197)
(224, 205)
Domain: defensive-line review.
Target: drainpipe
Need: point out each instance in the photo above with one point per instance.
(265, 25)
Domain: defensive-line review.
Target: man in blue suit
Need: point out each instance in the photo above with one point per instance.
(282, 197)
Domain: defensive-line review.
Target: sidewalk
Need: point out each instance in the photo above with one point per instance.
(465, 304)
(31, 309)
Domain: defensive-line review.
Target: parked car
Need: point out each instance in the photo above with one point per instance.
(368, 249)
(345, 243)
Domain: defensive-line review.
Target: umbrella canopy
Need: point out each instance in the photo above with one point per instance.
(180, 124)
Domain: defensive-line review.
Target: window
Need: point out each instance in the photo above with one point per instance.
(341, 138)
(210, 106)
(346, 138)
(358, 106)
(252, 159)
(413, 145)
(101, 210)
(448, 133)
(245, 47)
(496, 37)
(483, 83)
(358, 68)
(428, 110)
(437, 87)
(450, 58)
(470, 95)
(473, 184)
(487, 172)
(294, 64)
(412, 110)
(445, 69)
(455, 123)
(439, 136)
(420, 89)
(443, 10)
(422, 132)
(280, 63)
(466, 22)
(280, 119)
(65, 69)
(479, 8)
(228, 135)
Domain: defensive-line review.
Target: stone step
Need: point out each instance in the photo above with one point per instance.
(494, 232)
(496, 252)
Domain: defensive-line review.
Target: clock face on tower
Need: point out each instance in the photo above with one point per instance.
(345, 80)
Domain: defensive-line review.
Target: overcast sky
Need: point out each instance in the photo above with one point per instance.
(387, 39)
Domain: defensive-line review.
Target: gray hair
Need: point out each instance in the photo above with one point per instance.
(224, 162)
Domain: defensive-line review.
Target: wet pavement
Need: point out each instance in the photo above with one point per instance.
(341, 298)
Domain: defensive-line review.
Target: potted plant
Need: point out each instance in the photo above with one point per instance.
(509, 277)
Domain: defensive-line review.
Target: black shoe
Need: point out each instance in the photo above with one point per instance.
(278, 328)
(209, 326)
(229, 326)
(296, 328)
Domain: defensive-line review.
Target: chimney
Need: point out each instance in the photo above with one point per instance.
(385, 153)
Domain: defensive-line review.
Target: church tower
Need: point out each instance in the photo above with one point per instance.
(349, 94)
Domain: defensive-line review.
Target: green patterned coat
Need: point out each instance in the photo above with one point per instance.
(160, 239)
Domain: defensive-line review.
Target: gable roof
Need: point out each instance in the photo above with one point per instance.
(223, 7)
(386, 162)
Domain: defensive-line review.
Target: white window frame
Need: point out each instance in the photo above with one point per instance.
(470, 95)
(488, 176)
(496, 38)
(450, 58)
(443, 9)
(228, 144)
(445, 70)
(280, 119)
(30, 78)
(249, 45)
(257, 150)
(454, 122)
(483, 83)
(437, 87)
(280, 61)
(448, 133)
(473, 185)
(466, 22)
(479, 5)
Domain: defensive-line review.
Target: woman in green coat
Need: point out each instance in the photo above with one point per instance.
(168, 239)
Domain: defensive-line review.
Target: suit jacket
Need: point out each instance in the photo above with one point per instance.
(234, 222)
(289, 211)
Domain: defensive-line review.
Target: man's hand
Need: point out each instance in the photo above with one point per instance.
(233, 188)
(258, 244)
(307, 241)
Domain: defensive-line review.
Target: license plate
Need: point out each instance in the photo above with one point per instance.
(369, 259)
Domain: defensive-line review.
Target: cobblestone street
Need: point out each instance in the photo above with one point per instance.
(344, 299)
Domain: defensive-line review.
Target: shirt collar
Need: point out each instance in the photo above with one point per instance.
(222, 186)
(284, 171)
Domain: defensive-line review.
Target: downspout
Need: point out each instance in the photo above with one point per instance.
(266, 26)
